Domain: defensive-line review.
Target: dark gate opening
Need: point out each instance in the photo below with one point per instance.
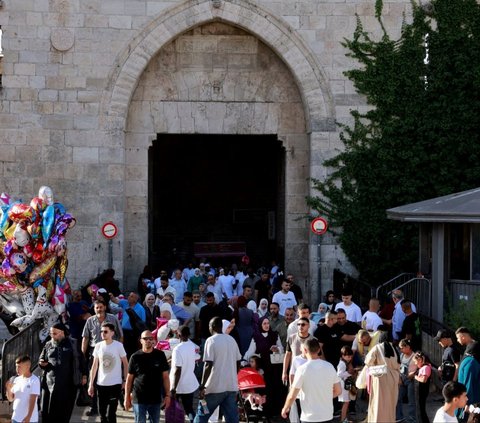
(217, 189)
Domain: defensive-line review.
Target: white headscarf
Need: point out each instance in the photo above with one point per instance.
(168, 307)
(260, 311)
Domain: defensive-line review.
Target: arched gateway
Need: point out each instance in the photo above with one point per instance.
(231, 74)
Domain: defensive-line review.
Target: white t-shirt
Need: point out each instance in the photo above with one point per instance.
(297, 361)
(353, 312)
(183, 356)
(442, 417)
(222, 351)
(284, 301)
(371, 321)
(316, 379)
(227, 282)
(23, 387)
(109, 363)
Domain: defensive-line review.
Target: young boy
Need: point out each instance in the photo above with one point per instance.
(455, 396)
(24, 390)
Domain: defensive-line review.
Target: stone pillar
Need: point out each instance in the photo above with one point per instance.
(438, 270)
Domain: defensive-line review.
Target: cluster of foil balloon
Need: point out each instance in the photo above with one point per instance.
(33, 251)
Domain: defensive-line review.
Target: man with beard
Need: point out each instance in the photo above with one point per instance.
(147, 375)
(64, 369)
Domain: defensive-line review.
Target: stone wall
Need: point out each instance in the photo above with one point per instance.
(76, 112)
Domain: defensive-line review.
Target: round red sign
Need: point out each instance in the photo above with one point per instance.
(319, 226)
(109, 230)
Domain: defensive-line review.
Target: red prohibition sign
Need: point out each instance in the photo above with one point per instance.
(319, 226)
(109, 230)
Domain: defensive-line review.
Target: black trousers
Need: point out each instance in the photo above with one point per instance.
(108, 401)
(187, 402)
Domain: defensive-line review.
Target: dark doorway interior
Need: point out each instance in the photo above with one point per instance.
(215, 188)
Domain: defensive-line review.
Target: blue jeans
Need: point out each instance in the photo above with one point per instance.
(407, 388)
(141, 410)
(228, 406)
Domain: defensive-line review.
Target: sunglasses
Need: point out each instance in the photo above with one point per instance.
(148, 338)
(301, 324)
(104, 331)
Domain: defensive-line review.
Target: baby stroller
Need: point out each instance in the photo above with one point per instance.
(251, 399)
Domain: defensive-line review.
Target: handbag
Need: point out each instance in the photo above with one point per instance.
(380, 369)
(175, 413)
(277, 358)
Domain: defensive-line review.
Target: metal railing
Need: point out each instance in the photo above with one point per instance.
(432, 348)
(26, 341)
(386, 288)
(418, 291)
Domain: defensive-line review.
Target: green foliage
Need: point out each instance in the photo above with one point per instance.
(419, 140)
(457, 316)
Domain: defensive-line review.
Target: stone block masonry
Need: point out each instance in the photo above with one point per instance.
(79, 112)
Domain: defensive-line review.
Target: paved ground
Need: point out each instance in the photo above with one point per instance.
(434, 402)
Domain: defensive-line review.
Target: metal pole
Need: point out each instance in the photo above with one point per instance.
(319, 260)
(110, 253)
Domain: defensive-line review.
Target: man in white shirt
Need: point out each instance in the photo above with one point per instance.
(108, 358)
(370, 319)
(165, 287)
(354, 314)
(227, 282)
(156, 282)
(317, 383)
(455, 396)
(24, 390)
(215, 287)
(178, 284)
(284, 298)
(183, 381)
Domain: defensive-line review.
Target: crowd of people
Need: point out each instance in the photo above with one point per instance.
(190, 333)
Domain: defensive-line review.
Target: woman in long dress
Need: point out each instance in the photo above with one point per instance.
(383, 389)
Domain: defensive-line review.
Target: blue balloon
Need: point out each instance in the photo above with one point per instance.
(59, 208)
(47, 224)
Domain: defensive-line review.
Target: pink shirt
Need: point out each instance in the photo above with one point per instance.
(425, 370)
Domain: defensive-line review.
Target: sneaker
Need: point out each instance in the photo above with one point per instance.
(91, 412)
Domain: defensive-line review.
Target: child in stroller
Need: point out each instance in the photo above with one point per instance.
(251, 398)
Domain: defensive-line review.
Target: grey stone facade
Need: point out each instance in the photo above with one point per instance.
(88, 85)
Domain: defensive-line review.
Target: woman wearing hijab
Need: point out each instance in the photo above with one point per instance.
(330, 300)
(262, 309)
(320, 314)
(152, 311)
(383, 389)
(265, 342)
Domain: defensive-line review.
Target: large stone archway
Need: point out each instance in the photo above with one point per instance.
(134, 118)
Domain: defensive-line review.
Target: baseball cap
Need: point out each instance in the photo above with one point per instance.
(442, 333)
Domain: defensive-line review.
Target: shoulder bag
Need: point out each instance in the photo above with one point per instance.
(380, 369)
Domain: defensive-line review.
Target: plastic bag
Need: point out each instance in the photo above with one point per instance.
(175, 413)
